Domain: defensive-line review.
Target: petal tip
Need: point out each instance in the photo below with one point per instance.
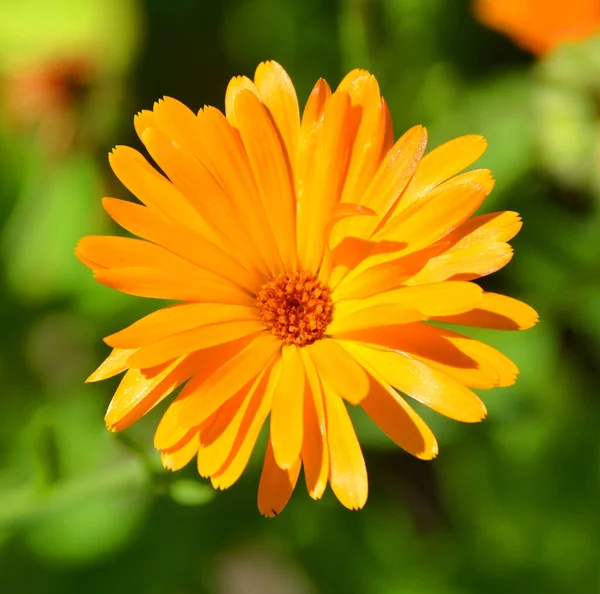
(216, 483)
(531, 322)
(269, 513)
(95, 376)
(112, 427)
(428, 454)
(167, 461)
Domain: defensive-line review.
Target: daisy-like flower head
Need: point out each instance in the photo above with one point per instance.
(540, 25)
(307, 255)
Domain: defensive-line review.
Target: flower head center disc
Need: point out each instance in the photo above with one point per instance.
(295, 307)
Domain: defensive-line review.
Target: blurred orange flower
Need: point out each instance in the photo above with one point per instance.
(48, 97)
(540, 25)
(307, 254)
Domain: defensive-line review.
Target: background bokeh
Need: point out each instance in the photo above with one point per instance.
(510, 505)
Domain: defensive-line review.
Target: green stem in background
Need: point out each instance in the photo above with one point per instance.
(353, 32)
(24, 504)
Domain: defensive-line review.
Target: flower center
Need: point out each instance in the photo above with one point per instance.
(295, 307)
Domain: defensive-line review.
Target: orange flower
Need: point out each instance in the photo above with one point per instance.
(308, 255)
(540, 25)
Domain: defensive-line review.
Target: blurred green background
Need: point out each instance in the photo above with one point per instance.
(509, 505)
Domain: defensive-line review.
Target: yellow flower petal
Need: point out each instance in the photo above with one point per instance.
(489, 359)
(353, 256)
(154, 190)
(366, 280)
(175, 319)
(234, 173)
(354, 82)
(194, 339)
(286, 416)
(347, 470)
(315, 448)
(142, 121)
(181, 241)
(313, 112)
(276, 484)
(493, 227)
(476, 248)
(455, 355)
(179, 124)
(435, 299)
(444, 209)
(147, 270)
(170, 431)
(246, 437)
(394, 172)
(208, 394)
(277, 92)
(137, 393)
(124, 252)
(305, 161)
(422, 383)
(221, 440)
(357, 314)
(441, 164)
(322, 190)
(329, 357)
(235, 86)
(272, 172)
(195, 180)
(498, 312)
(465, 264)
(370, 136)
(161, 283)
(399, 421)
(114, 364)
(180, 456)
(173, 425)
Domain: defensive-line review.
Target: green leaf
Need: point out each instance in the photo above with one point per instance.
(57, 206)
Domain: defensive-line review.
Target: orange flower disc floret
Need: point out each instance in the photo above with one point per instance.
(296, 308)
